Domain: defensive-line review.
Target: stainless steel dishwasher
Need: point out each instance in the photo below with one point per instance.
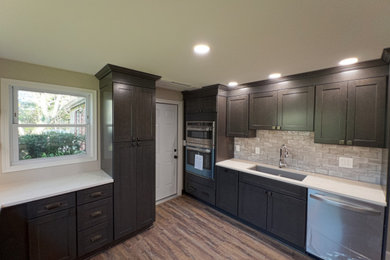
(343, 228)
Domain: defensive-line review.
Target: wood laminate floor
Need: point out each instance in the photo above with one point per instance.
(188, 229)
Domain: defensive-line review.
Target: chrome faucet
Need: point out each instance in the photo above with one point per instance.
(283, 156)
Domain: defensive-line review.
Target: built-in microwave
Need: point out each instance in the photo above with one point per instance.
(200, 133)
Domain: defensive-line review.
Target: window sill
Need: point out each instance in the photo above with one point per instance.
(44, 164)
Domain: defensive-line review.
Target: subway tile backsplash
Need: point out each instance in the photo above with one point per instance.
(368, 163)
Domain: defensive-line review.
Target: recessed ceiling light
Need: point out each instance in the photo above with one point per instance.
(348, 61)
(274, 75)
(201, 49)
(232, 84)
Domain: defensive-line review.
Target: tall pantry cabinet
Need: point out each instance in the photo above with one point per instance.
(127, 108)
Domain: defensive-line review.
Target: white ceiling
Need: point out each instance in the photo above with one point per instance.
(249, 39)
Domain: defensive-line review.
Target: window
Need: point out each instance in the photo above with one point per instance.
(47, 125)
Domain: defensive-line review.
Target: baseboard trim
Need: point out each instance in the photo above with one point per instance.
(167, 198)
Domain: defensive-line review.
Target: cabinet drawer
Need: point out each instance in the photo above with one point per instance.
(94, 238)
(273, 185)
(50, 205)
(90, 214)
(93, 194)
(200, 191)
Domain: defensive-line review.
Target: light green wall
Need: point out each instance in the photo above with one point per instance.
(37, 73)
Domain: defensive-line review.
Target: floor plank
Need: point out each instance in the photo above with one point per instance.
(188, 229)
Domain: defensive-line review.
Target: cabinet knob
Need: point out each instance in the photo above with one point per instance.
(341, 141)
(349, 142)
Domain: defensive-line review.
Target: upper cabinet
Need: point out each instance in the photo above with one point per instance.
(351, 113)
(331, 113)
(201, 105)
(366, 115)
(263, 112)
(289, 109)
(237, 117)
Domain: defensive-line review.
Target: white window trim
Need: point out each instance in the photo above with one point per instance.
(6, 126)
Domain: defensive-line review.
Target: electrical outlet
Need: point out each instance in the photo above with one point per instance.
(345, 162)
(257, 150)
(237, 148)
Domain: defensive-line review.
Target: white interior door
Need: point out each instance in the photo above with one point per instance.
(166, 150)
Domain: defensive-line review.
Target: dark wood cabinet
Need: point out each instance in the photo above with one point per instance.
(296, 109)
(289, 109)
(351, 113)
(252, 204)
(331, 113)
(278, 207)
(13, 233)
(53, 236)
(286, 218)
(205, 104)
(124, 112)
(366, 118)
(200, 188)
(145, 114)
(237, 117)
(146, 183)
(263, 112)
(227, 190)
(129, 154)
(125, 189)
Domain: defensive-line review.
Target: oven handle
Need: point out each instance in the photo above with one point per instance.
(345, 205)
(202, 150)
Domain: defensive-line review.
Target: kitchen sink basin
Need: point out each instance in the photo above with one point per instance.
(277, 172)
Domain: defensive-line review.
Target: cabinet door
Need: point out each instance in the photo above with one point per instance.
(209, 104)
(124, 189)
(124, 112)
(146, 183)
(192, 105)
(237, 117)
(296, 109)
(13, 233)
(53, 236)
(366, 112)
(263, 112)
(146, 114)
(331, 111)
(227, 190)
(287, 218)
(252, 204)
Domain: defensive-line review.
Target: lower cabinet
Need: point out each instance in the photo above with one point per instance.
(227, 190)
(53, 236)
(94, 218)
(200, 188)
(286, 218)
(64, 227)
(252, 206)
(277, 207)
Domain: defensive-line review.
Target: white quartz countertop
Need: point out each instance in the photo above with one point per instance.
(366, 192)
(24, 188)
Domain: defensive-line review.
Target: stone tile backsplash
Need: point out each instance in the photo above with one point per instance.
(304, 154)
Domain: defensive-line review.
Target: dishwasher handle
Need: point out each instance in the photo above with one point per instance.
(345, 204)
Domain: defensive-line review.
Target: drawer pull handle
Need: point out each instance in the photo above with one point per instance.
(53, 205)
(96, 214)
(96, 194)
(95, 238)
